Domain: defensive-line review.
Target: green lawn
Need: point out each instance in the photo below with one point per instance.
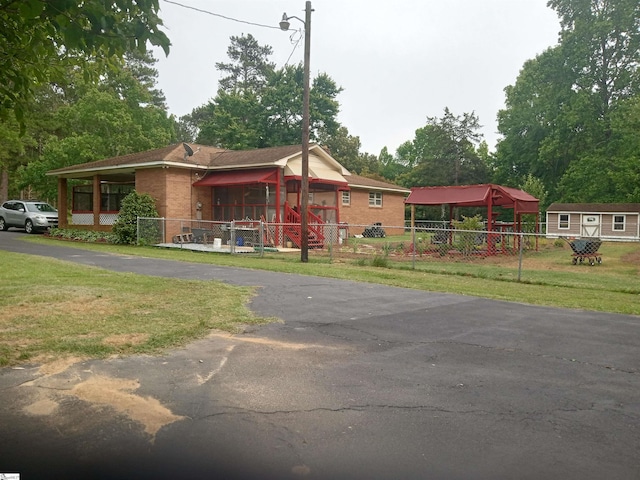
(50, 308)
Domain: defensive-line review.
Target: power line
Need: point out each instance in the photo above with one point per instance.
(221, 16)
(297, 42)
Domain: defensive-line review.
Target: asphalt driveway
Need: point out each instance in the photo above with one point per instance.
(359, 381)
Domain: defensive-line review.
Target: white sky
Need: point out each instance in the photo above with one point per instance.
(398, 61)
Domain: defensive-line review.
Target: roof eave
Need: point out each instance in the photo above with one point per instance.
(125, 167)
(374, 187)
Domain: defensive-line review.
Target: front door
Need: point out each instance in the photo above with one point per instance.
(590, 225)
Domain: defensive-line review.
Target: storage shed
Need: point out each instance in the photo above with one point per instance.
(610, 221)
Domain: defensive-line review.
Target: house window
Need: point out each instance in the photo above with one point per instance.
(111, 196)
(375, 199)
(618, 223)
(346, 197)
(563, 221)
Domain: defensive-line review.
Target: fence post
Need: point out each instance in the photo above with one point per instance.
(413, 253)
(332, 228)
(137, 230)
(261, 241)
(521, 241)
(232, 237)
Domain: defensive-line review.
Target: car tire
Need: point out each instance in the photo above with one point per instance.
(3, 225)
(28, 227)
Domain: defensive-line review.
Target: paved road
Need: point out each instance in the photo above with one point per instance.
(358, 382)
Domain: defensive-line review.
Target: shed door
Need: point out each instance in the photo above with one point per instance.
(590, 225)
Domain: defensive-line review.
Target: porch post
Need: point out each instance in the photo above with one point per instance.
(62, 203)
(278, 200)
(96, 200)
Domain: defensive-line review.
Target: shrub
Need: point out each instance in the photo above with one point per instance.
(81, 235)
(133, 206)
(466, 240)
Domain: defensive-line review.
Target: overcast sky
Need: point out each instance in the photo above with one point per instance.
(398, 61)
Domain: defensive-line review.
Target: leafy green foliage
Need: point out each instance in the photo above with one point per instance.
(42, 39)
(116, 117)
(443, 153)
(133, 206)
(534, 186)
(465, 240)
(567, 117)
(257, 106)
(92, 236)
(249, 68)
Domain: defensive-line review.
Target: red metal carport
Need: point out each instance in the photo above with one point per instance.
(482, 195)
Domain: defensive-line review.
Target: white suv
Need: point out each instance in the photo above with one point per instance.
(31, 215)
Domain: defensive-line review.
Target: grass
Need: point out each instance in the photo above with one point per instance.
(55, 308)
(51, 309)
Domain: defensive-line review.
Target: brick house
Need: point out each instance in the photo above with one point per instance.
(207, 183)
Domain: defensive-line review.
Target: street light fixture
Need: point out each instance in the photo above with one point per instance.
(304, 187)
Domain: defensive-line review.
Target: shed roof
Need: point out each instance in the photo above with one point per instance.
(594, 207)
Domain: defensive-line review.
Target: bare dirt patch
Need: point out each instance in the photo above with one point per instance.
(53, 366)
(632, 258)
(126, 339)
(117, 393)
(98, 390)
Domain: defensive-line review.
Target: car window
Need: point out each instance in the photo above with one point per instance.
(43, 207)
(19, 207)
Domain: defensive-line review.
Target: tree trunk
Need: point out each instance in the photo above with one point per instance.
(4, 184)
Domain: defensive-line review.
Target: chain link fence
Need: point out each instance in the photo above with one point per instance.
(426, 246)
(433, 241)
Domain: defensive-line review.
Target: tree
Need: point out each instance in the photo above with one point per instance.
(534, 186)
(257, 106)
(42, 39)
(601, 40)
(558, 124)
(443, 153)
(235, 121)
(390, 167)
(283, 104)
(611, 172)
(114, 118)
(344, 148)
(249, 68)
